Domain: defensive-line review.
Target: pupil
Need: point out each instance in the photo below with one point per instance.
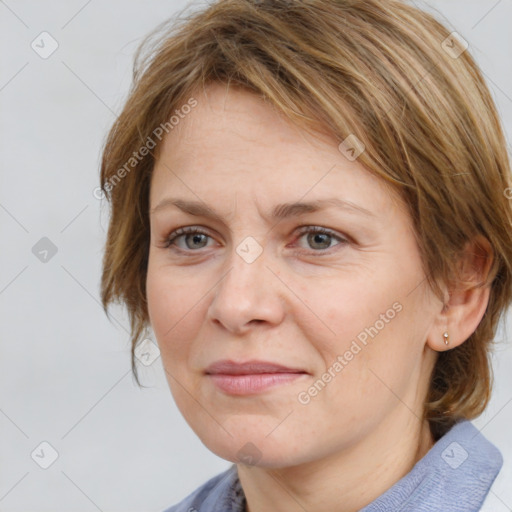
(197, 238)
(322, 239)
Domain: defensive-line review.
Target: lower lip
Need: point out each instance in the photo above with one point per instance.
(251, 384)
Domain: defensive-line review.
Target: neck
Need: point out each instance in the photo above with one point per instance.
(346, 481)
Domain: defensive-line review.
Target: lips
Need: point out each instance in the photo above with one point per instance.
(228, 367)
(251, 377)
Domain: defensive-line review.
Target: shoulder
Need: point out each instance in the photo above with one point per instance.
(222, 493)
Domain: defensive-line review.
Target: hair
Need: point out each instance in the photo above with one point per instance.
(383, 71)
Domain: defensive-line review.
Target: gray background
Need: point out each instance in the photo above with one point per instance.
(64, 369)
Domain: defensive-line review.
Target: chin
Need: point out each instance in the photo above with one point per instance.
(252, 448)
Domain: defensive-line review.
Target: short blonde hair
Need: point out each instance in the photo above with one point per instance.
(384, 71)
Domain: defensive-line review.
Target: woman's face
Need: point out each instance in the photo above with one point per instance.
(345, 309)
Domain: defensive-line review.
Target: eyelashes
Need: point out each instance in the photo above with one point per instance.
(184, 233)
(317, 238)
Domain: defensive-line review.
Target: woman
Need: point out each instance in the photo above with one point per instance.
(309, 210)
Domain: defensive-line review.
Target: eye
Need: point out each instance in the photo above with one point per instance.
(192, 238)
(319, 238)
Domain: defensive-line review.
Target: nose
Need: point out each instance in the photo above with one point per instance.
(249, 294)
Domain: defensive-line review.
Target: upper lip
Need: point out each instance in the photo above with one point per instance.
(228, 367)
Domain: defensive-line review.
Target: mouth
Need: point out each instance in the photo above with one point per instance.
(250, 377)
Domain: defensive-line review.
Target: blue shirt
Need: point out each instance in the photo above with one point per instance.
(454, 476)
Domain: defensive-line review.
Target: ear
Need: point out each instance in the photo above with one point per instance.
(466, 297)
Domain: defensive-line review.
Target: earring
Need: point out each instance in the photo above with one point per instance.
(445, 336)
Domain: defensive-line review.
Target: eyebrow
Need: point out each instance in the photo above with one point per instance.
(281, 211)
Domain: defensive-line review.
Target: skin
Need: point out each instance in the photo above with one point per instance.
(301, 303)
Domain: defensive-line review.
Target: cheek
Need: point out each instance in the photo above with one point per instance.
(372, 332)
(160, 301)
(346, 310)
(381, 359)
(173, 309)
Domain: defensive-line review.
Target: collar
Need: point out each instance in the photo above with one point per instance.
(454, 476)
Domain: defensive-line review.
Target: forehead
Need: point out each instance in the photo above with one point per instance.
(234, 143)
(227, 113)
